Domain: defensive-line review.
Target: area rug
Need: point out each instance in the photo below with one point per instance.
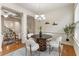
(23, 52)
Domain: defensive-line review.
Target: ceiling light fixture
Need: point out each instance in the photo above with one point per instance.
(40, 17)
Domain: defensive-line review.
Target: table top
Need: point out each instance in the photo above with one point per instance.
(45, 36)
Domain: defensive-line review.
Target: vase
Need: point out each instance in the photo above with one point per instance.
(67, 39)
(40, 34)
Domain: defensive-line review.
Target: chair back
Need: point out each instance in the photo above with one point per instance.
(31, 45)
(59, 39)
(30, 41)
(30, 34)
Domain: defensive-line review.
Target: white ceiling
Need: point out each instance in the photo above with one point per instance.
(41, 8)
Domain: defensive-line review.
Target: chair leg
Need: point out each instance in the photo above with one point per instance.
(59, 50)
(49, 49)
(39, 53)
(30, 51)
(26, 51)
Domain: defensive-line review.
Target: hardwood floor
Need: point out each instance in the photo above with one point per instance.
(12, 47)
(67, 49)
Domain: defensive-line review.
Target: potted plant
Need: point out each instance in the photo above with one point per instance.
(69, 31)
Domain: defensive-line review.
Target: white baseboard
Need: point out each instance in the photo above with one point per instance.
(67, 43)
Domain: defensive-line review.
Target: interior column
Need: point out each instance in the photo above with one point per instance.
(24, 28)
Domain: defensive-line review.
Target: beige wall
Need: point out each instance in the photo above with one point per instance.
(30, 24)
(62, 16)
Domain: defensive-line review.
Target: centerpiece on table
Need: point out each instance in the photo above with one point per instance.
(40, 33)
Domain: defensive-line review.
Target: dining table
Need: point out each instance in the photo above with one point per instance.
(42, 41)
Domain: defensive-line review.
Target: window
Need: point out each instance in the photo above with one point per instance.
(77, 34)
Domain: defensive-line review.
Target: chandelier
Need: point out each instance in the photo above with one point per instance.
(40, 17)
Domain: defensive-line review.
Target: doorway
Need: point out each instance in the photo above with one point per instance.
(11, 26)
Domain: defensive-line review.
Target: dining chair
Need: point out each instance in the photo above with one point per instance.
(49, 38)
(56, 44)
(31, 46)
(30, 34)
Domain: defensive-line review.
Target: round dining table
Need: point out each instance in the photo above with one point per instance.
(42, 41)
